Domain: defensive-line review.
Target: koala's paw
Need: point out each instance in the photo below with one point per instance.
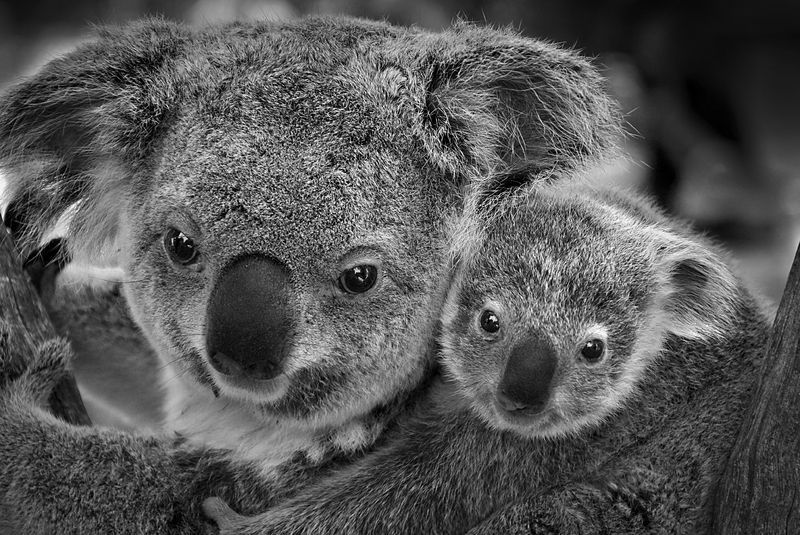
(46, 365)
(513, 522)
(630, 502)
(228, 521)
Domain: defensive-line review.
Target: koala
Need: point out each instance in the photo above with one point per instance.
(598, 360)
(277, 197)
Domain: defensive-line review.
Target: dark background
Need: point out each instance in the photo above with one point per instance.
(710, 88)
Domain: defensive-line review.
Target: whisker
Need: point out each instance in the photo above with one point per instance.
(180, 374)
(171, 362)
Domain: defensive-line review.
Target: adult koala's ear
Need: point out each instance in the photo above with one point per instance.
(510, 109)
(74, 135)
(696, 292)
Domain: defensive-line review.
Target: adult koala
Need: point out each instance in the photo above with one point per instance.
(278, 197)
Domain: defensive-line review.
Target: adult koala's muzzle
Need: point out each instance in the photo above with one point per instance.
(249, 319)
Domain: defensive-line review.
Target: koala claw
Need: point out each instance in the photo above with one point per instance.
(220, 512)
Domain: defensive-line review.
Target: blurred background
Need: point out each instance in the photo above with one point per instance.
(710, 89)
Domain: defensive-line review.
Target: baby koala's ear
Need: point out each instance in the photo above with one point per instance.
(697, 294)
(511, 108)
(73, 136)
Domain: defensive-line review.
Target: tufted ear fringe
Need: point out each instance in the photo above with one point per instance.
(73, 136)
(697, 294)
(505, 110)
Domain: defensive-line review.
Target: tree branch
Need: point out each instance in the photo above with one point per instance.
(758, 491)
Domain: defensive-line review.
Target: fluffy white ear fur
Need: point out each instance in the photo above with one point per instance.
(74, 136)
(89, 225)
(95, 266)
(697, 292)
(94, 225)
(509, 109)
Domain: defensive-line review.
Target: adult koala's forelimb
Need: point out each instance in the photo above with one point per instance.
(60, 478)
(397, 492)
(92, 481)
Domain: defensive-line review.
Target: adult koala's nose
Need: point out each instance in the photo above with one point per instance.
(249, 320)
(527, 377)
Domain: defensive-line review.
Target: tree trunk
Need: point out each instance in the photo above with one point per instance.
(23, 312)
(759, 491)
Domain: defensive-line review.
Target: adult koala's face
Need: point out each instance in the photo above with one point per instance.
(277, 193)
(288, 247)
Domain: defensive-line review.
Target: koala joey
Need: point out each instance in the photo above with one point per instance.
(599, 359)
(277, 196)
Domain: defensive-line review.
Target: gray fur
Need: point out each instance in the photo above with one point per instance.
(615, 450)
(319, 142)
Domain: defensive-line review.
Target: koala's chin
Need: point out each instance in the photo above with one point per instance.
(270, 392)
(549, 421)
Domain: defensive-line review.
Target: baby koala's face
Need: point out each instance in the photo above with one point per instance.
(545, 328)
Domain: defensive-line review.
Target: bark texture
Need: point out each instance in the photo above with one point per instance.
(759, 491)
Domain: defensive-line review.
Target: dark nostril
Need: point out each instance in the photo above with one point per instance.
(509, 404)
(228, 366)
(224, 364)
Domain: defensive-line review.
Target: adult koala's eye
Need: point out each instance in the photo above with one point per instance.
(489, 321)
(180, 248)
(593, 350)
(358, 279)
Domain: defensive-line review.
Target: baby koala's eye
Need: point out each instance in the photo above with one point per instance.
(489, 321)
(180, 248)
(593, 350)
(358, 279)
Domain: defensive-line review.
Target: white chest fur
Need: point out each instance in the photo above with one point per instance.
(214, 422)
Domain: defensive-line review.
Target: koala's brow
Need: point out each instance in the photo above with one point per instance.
(361, 253)
(181, 219)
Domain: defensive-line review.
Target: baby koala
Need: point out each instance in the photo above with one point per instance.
(598, 360)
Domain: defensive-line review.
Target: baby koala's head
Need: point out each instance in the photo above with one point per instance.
(555, 316)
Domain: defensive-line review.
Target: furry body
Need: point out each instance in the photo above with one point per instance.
(630, 444)
(269, 160)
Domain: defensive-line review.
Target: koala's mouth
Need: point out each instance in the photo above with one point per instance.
(528, 421)
(248, 386)
(521, 415)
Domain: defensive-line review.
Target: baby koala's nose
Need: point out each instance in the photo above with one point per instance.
(525, 385)
(249, 322)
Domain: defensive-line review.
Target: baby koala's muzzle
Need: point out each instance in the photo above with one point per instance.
(525, 385)
(249, 319)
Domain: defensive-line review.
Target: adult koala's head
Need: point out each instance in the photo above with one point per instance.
(277, 194)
